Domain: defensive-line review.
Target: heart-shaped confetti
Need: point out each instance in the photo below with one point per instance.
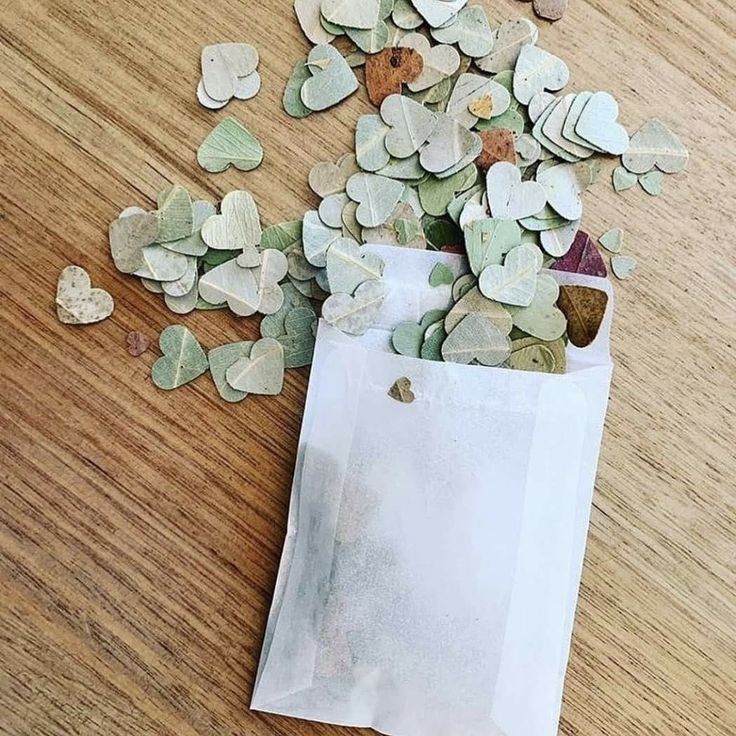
(508, 41)
(308, 14)
(351, 14)
(292, 99)
(487, 241)
(498, 145)
(237, 227)
(355, 314)
(613, 240)
(562, 190)
(531, 354)
(230, 144)
(223, 65)
(476, 338)
(440, 61)
(597, 124)
(137, 343)
(542, 318)
(370, 143)
(537, 70)
(77, 303)
(411, 125)
(584, 308)
(298, 338)
(175, 214)
(401, 391)
(508, 197)
(438, 12)
(655, 145)
(470, 31)
(332, 79)
(317, 238)
(260, 373)
(652, 183)
(273, 267)
(376, 197)
(550, 9)
(161, 264)
(473, 302)
(623, 179)
(441, 275)
(449, 144)
(583, 257)
(234, 285)
(407, 339)
(386, 71)
(223, 358)
(514, 282)
(470, 87)
(348, 267)
(623, 266)
(128, 235)
(183, 359)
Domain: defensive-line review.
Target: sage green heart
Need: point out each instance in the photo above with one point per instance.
(348, 267)
(370, 143)
(441, 275)
(175, 215)
(332, 78)
(436, 194)
(128, 235)
(410, 124)
(230, 144)
(282, 236)
(274, 325)
(470, 30)
(220, 360)
(260, 373)
(317, 239)
(434, 338)
(355, 314)
(652, 183)
(654, 144)
(488, 241)
(298, 338)
(183, 359)
(376, 196)
(473, 302)
(408, 338)
(193, 245)
(237, 227)
(623, 179)
(292, 99)
(161, 264)
(623, 266)
(541, 318)
(514, 282)
(476, 338)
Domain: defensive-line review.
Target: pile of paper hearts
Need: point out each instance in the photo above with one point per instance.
(229, 70)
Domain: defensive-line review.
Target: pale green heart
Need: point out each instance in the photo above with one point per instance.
(655, 145)
(237, 227)
(408, 338)
(511, 120)
(622, 179)
(537, 70)
(470, 30)
(439, 61)
(184, 284)
(274, 267)
(183, 359)
(153, 286)
(348, 267)
(317, 238)
(330, 209)
(355, 314)
(436, 194)
(232, 284)
(260, 373)
(528, 149)
(508, 40)
(175, 216)
(438, 12)
(282, 236)
(623, 266)
(332, 78)
(406, 169)
(223, 65)
(532, 356)
(298, 340)
(405, 16)
(350, 226)
(541, 318)
(128, 236)
(515, 282)
(370, 146)
(184, 303)
(464, 285)
(376, 197)
(220, 360)
(347, 13)
(652, 183)
(476, 338)
(194, 245)
(562, 189)
(471, 154)
(456, 207)
(160, 264)
(411, 125)
(434, 337)
(77, 303)
(401, 229)
(558, 241)
(274, 325)
(449, 145)
(550, 114)
(441, 275)
(473, 302)
(508, 197)
(435, 95)
(308, 15)
(409, 232)
(292, 99)
(470, 87)
(545, 219)
(597, 124)
(331, 28)
(230, 144)
(371, 40)
(432, 317)
(613, 240)
(487, 241)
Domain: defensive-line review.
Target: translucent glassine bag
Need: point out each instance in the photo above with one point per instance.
(434, 551)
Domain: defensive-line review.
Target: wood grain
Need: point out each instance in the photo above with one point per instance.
(140, 531)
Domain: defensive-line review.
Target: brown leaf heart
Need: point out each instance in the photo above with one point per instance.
(498, 145)
(584, 308)
(386, 71)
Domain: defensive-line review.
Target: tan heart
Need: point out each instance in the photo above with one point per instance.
(77, 303)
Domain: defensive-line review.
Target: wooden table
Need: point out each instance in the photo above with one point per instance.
(140, 530)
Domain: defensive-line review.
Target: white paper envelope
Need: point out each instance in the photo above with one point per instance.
(434, 550)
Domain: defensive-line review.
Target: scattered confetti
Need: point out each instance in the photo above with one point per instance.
(613, 240)
(623, 266)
